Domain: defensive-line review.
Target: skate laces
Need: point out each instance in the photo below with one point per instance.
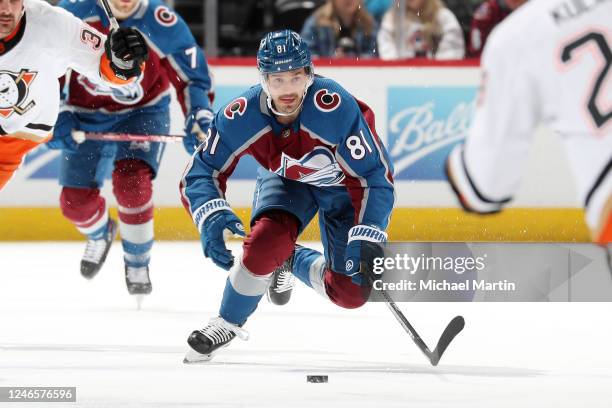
(285, 281)
(94, 250)
(220, 331)
(137, 274)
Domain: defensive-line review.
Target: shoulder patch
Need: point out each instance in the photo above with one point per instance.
(236, 107)
(326, 101)
(165, 16)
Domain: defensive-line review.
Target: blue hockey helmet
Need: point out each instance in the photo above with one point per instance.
(282, 50)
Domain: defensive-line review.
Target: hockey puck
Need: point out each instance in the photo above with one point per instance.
(316, 378)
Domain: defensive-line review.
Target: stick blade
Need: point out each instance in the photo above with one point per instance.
(452, 330)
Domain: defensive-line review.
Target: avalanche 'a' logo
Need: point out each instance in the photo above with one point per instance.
(128, 94)
(236, 107)
(14, 89)
(318, 168)
(326, 101)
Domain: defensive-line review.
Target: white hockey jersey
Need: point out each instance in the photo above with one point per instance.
(50, 40)
(549, 61)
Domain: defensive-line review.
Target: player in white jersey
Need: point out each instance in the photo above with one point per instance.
(548, 62)
(38, 43)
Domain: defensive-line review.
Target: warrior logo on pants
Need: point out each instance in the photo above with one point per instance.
(14, 91)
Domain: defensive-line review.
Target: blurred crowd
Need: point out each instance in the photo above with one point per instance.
(435, 29)
(386, 29)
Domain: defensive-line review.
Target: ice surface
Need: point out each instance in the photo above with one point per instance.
(58, 329)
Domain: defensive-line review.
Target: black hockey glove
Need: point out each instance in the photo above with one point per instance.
(126, 49)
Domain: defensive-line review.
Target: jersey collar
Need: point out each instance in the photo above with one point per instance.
(9, 42)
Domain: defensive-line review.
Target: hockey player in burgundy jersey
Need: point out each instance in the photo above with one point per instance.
(489, 14)
(142, 108)
(319, 152)
(38, 43)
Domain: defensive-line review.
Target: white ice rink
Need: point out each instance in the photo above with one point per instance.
(57, 329)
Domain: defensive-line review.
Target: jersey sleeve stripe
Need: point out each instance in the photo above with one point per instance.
(39, 126)
(388, 172)
(598, 182)
(469, 197)
(238, 152)
(184, 79)
(362, 182)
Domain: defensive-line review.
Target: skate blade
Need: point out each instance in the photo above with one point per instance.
(139, 300)
(193, 357)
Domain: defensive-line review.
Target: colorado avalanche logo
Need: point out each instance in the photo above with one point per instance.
(326, 101)
(164, 16)
(14, 91)
(318, 168)
(129, 94)
(236, 107)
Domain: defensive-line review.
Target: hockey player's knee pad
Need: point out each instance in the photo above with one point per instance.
(80, 204)
(343, 292)
(270, 243)
(132, 183)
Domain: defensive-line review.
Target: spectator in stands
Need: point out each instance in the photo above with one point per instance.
(463, 10)
(430, 30)
(489, 14)
(377, 8)
(292, 14)
(341, 28)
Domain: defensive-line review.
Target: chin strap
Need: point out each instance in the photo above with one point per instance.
(264, 85)
(277, 113)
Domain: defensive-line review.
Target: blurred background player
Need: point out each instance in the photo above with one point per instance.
(486, 16)
(319, 153)
(37, 45)
(141, 108)
(549, 61)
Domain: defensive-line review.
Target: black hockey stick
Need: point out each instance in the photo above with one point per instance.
(109, 13)
(452, 329)
(455, 326)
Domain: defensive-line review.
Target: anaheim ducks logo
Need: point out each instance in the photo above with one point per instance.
(14, 91)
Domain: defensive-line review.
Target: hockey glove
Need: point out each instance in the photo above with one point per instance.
(62, 133)
(211, 235)
(363, 246)
(196, 127)
(127, 50)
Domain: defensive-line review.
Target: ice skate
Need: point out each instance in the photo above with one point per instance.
(282, 283)
(138, 282)
(96, 251)
(205, 343)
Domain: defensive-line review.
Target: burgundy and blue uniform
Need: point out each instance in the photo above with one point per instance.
(330, 161)
(139, 108)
